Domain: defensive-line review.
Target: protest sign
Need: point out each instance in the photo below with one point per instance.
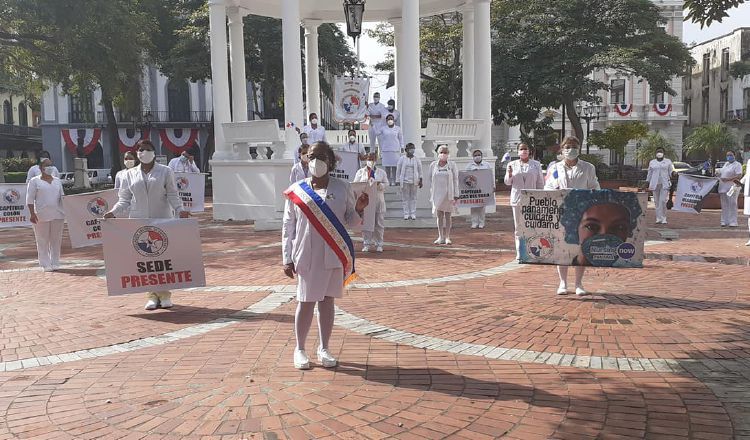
(83, 213)
(192, 190)
(476, 189)
(13, 209)
(577, 227)
(691, 190)
(149, 255)
(347, 164)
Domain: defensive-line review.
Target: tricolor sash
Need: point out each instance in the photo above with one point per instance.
(319, 214)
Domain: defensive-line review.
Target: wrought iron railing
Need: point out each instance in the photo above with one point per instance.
(18, 130)
(742, 114)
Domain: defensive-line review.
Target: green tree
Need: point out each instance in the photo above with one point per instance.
(650, 143)
(710, 140)
(616, 138)
(544, 51)
(706, 12)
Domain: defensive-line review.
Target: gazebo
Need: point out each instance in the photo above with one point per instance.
(250, 189)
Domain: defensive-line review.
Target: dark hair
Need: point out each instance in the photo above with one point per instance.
(391, 101)
(730, 151)
(409, 145)
(303, 147)
(130, 153)
(390, 117)
(331, 154)
(143, 142)
(660, 149)
(352, 130)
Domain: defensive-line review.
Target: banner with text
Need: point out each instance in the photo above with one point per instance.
(476, 189)
(13, 209)
(192, 189)
(350, 98)
(150, 255)
(691, 191)
(347, 164)
(84, 212)
(602, 228)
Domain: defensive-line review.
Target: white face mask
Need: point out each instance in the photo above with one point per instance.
(318, 168)
(49, 170)
(352, 139)
(183, 158)
(129, 163)
(146, 156)
(390, 122)
(314, 121)
(570, 153)
(660, 155)
(443, 156)
(477, 159)
(370, 163)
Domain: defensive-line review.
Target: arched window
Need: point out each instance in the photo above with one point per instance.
(178, 101)
(7, 113)
(23, 118)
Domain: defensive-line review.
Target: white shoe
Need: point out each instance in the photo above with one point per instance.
(406, 217)
(48, 269)
(439, 241)
(481, 226)
(365, 249)
(581, 292)
(748, 243)
(152, 304)
(326, 359)
(379, 249)
(562, 290)
(448, 241)
(166, 304)
(414, 217)
(301, 361)
(474, 226)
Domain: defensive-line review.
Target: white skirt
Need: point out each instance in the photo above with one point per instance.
(390, 158)
(746, 209)
(317, 286)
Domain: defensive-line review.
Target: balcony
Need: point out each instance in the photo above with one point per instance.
(738, 116)
(17, 130)
(159, 116)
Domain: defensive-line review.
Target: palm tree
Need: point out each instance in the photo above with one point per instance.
(647, 151)
(711, 140)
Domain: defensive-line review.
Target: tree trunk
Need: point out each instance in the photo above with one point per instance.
(112, 135)
(570, 109)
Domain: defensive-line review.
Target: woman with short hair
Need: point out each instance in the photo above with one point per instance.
(44, 199)
(444, 193)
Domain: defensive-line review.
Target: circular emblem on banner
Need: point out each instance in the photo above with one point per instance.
(539, 247)
(11, 196)
(626, 251)
(603, 250)
(183, 183)
(696, 186)
(351, 102)
(150, 241)
(97, 206)
(470, 181)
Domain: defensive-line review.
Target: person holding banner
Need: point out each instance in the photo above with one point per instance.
(478, 213)
(524, 173)
(731, 171)
(659, 179)
(300, 169)
(44, 197)
(391, 144)
(409, 178)
(373, 226)
(746, 181)
(36, 170)
(149, 191)
(129, 162)
(317, 248)
(353, 146)
(444, 192)
(184, 163)
(572, 173)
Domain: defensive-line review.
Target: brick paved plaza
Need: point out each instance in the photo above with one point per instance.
(434, 342)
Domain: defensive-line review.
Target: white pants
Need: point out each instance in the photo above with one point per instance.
(375, 237)
(477, 217)
(409, 199)
(159, 296)
(728, 210)
(661, 195)
(372, 133)
(48, 241)
(516, 218)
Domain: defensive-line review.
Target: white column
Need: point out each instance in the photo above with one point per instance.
(468, 62)
(219, 76)
(292, 74)
(483, 73)
(312, 62)
(411, 92)
(237, 57)
(397, 38)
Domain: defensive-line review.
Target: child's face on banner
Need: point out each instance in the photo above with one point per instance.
(603, 219)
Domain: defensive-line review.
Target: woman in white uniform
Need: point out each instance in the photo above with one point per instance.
(478, 213)
(184, 163)
(746, 181)
(305, 253)
(391, 142)
(731, 171)
(149, 191)
(129, 162)
(443, 193)
(373, 226)
(36, 170)
(524, 173)
(572, 173)
(659, 179)
(300, 170)
(410, 179)
(352, 146)
(44, 199)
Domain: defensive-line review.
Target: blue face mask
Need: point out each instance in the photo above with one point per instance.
(730, 158)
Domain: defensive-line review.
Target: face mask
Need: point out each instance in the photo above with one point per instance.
(443, 156)
(523, 154)
(659, 156)
(352, 139)
(376, 100)
(477, 159)
(146, 156)
(314, 121)
(409, 153)
(49, 170)
(559, 157)
(183, 159)
(370, 163)
(604, 250)
(129, 163)
(570, 153)
(390, 108)
(390, 122)
(318, 168)
(730, 158)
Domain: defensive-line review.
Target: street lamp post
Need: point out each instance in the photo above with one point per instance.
(588, 113)
(353, 12)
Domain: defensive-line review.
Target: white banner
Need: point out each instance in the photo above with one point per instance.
(350, 99)
(83, 213)
(347, 164)
(602, 228)
(476, 189)
(13, 209)
(150, 255)
(690, 192)
(192, 189)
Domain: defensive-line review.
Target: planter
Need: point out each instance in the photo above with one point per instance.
(616, 183)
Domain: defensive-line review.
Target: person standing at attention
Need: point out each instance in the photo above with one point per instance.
(746, 181)
(36, 170)
(44, 199)
(315, 133)
(373, 226)
(659, 179)
(524, 173)
(377, 112)
(478, 212)
(391, 144)
(444, 193)
(731, 171)
(410, 179)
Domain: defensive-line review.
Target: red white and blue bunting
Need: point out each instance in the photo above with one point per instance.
(128, 143)
(177, 144)
(662, 109)
(91, 139)
(623, 109)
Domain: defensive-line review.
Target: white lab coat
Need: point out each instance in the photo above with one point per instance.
(36, 171)
(580, 176)
(659, 180)
(408, 175)
(391, 142)
(155, 198)
(119, 177)
(525, 176)
(478, 212)
(729, 204)
(729, 171)
(319, 271)
(47, 200)
(317, 134)
(375, 212)
(179, 166)
(376, 124)
(298, 173)
(746, 181)
(443, 186)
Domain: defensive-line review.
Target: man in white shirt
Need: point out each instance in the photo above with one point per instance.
(731, 171)
(377, 113)
(373, 225)
(315, 132)
(659, 179)
(184, 163)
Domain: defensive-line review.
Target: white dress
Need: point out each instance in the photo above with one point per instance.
(391, 141)
(746, 181)
(444, 186)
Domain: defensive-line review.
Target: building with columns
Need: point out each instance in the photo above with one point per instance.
(20, 135)
(252, 189)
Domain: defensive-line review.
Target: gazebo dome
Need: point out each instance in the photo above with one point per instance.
(333, 10)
